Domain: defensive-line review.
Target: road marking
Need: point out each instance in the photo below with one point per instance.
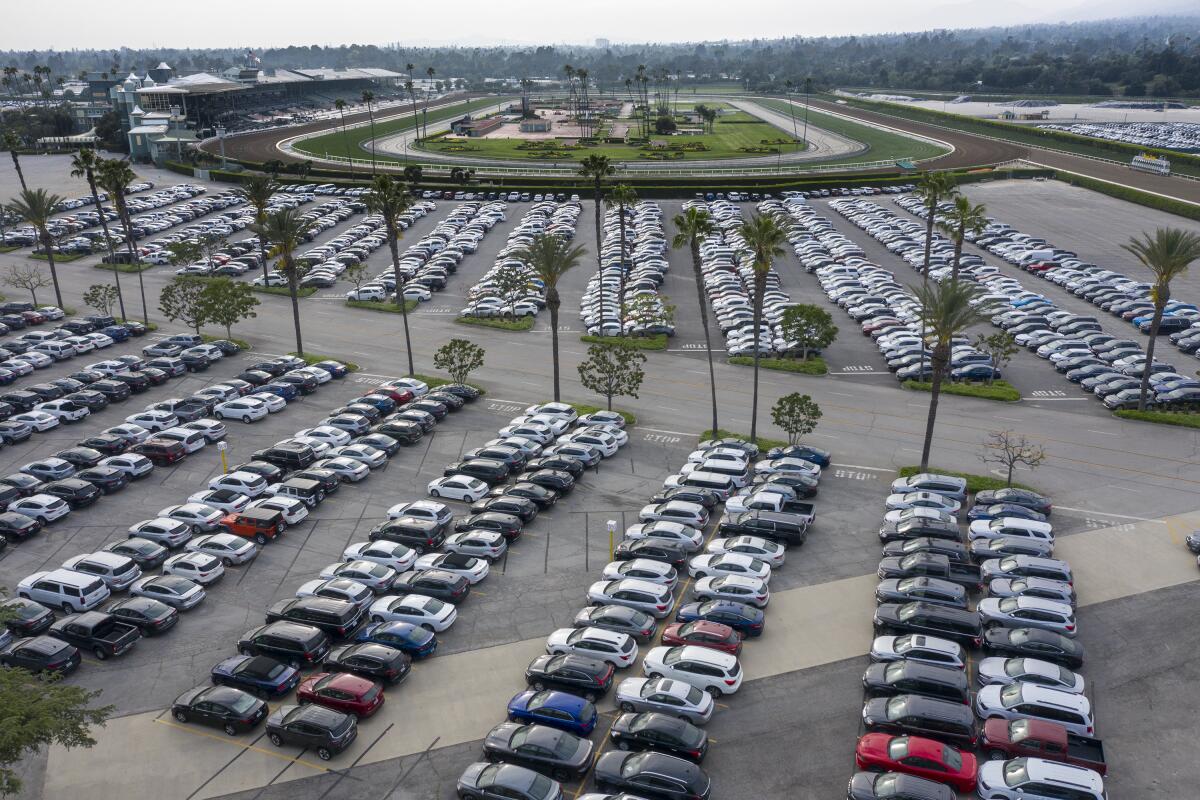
(255, 748)
(1008, 419)
(1068, 399)
(660, 430)
(842, 394)
(1102, 433)
(871, 469)
(1106, 514)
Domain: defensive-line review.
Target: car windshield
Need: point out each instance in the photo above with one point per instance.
(1015, 773)
(673, 655)
(539, 786)
(897, 707)
(1010, 695)
(1018, 730)
(952, 758)
(886, 784)
(898, 748)
(242, 703)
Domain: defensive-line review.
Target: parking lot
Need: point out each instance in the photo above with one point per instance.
(1119, 488)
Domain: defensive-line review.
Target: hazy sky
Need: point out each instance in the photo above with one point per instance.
(67, 24)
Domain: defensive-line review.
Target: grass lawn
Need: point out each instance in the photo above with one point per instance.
(975, 483)
(813, 365)
(999, 390)
(640, 342)
(58, 259)
(313, 358)
(1185, 419)
(584, 408)
(881, 145)
(764, 443)
(303, 291)
(8, 249)
(242, 343)
(139, 267)
(522, 324)
(379, 305)
(434, 381)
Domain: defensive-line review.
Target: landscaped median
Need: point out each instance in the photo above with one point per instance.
(434, 381)
(303, 291)
(813, 365)
(313, 358)
(998, 390)
(1184, 419)
(379, 305)
(975, 483)
(764, 443)
(584, 408)
(242, 343)
(658, 342)
(59, 258)
(522, 324)
(140, 266)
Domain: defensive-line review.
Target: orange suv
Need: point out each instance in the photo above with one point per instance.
(259, 524)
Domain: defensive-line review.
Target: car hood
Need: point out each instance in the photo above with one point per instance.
(862, 786)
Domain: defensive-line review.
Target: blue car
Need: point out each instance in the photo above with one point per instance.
(259, 675)
(284, 390)
(118, 333)
(554, 709)
(1028, 301)
(805, 452)
(404, 636)
(742, 618)
(975, 372)
(998, 510)
(385, 404)
(335, 368)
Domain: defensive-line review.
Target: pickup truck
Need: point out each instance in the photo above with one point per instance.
(1020, 738)
(96, 632)
(930, 565)
(768, 501)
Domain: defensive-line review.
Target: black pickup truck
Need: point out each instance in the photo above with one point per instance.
(931, 565)
(95, 632)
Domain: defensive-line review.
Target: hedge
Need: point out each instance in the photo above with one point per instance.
(584, 408)
(1155, 201)
(658, 342)
(59, 258)
(522, 324)
(763, 442)
(302, 291)
(138, 267)
(813, 365)
(242, 343)
(999, 390)
(433, 381)
(379, 305)
(975, 483)
(1183, 419)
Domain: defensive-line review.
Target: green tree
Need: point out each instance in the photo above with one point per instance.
(648, 309)
(115, 176)
(597, 168)
(613, 370)
(1009, 450)
(101, 297)
(368, 97)
(258, 191)
(37, 206)
(285, 229)
(932, 188)
(227, 302)
(181, 300)
(964, 218)
(357, 274)
(946, 311)
(796, 415)
(12, 143)
(511, 282)
(809, 327)
(691, 228)
(765, 239)
(664, 125)
(458, 358)
(1001, 346)
(185, 252)
(340, 105)
(28, 277)
(1167, 255)
(624, 197)
(551, 257)
(390, 199)
(83, 165)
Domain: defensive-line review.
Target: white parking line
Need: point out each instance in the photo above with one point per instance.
(859, 466)
(1095, 513)
(660, 430)
(1102, 433)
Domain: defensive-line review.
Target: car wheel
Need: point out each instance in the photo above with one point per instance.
(996, 755)
(701, 575)
(260, 539)
(589, 696)
(276, 739)
(324, 753)
(230, 730)
(627, 707)
(622, 745)
(246, 651)
(466, 796)
(434, 493)
(427, 627)
(227, 561)
(180, 715)
(654, 676)
(714, 691)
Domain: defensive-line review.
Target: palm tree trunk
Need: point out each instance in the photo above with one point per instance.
(712, 375)
(371, 116)
(553, 302)
(17, 165)
(394, 247)
(262, 249)
(1159, 303)
(621, 284)
(958, 244)
(112, 254)
(935, 391)
(123, 215)
(924, 271)
(599, 255)
(47, 243)
(760, 288)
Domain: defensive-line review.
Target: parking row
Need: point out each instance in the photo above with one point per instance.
(622, 298)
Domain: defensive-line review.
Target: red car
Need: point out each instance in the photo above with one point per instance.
(915, 755)
(713, 635)
(342, 691)
(401, 396)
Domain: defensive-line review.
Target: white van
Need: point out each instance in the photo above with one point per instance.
(1014, 527)
(723, 485)
(735, 471)
(192, 440)
(64, 588)
(59, 351)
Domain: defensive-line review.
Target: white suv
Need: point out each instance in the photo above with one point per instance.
(1038, 779)
(711, 670)
(1030, 701)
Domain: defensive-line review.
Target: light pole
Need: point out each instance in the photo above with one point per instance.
(221, 139)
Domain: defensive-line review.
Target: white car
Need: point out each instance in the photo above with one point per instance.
(345, 468)
(896, 502)
(202, 518)
(469, 567)
(210, 429)
(671, 697)
(399, 557)
(38, 420)
(100, 340)
(687, 537)
(731, 454)
(334, 437)
(246, 483)
(345, 589)
(179, 593)
(607, 443)
(618, 649)
(14, 364)
(247, 409)
(418, 388)
(218, 393)
(316, 373)
(416, 609)
(558, 425)
(153, 420)
(65, 410)
(1003, 671)
(479, 543)
(134, 465)
(82, 344)
(294, 511)
(170, 533)
(917, 647)
(643, 569)
(108, 368)
(224, 499)
(750, 591)
(229, 548)
(557, 409)
(458, 487)
(133, 434)
(375, 576)
(199, 567)
(608, 419)
(542, 434)
(772, 553)
(186, 437)
(273, 402)
(787, 466)
(43, 507)
(692, 514)
(318, 446)
(729, 564)
(363, 453)
(422, 509)
(917, 512)
(35, 359)
(711, 670)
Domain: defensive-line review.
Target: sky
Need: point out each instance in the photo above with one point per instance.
(75, 24)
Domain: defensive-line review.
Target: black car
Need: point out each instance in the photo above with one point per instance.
(662, 732)
(149, 615)
(41, 654)
(146, 554)
(93, 401)
(68, 385)
(513, 458)
(573, 466)
(421, 418)
(22, 400)
(17, 527)
(322, 730)
(174, 367)
(653, 549)
(337, 618)
(488, 470)
(931, 619)
(78, 493)
(224, 707)
(895, 786)
(267, 471)
(137, 382)
(373, 661)
(328, 479)
(804, 486)
(26, 617)
(554, 752)
(519, 507)
(45, 391)
(287, 455)
(194, 362)
(462, 390)
(226, 347)
(291, 642)
(450, 400)
(559, 480)
(380, 441)
(116, 391)
(920, 527)
(651, 774)
(403, 431)
(589, 678)
(272, 368)
(25, 485)
(106, 479)
(422, 535)
(255, 377)
(504, 524)
(8, 494)
(539, 495)
(913, 677)
(703, 497)
(80, 457)
(911, 714)
(432, 407)
(1018, 497)
(1034, 643)
(437, 583)
(87, 376)
(305, 384)
(621, 619)
(6, 410)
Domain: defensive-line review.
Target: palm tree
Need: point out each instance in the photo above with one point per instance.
(12, 143)
(83, 165)
(429, 72)
(340, 105)
(412, 96)
(597, 168)
(932, 188)
(390, 199)
(692, 227)
(791, 106)
(946, 311)
(622, 196)
(964, 218)
(367, 97)
(1166, 254)
(550, 257)
(807, 92)
(765, 238)
(285, 229)
(36, 206)
(258, 190)
(115, 175)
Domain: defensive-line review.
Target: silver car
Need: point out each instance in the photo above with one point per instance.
(167, 532)
(1003, 671)
(202, 518)
(478, 543)
(229, 548)
(1045, 588)
(676, 698)
(177, 592)
(1027, 612)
